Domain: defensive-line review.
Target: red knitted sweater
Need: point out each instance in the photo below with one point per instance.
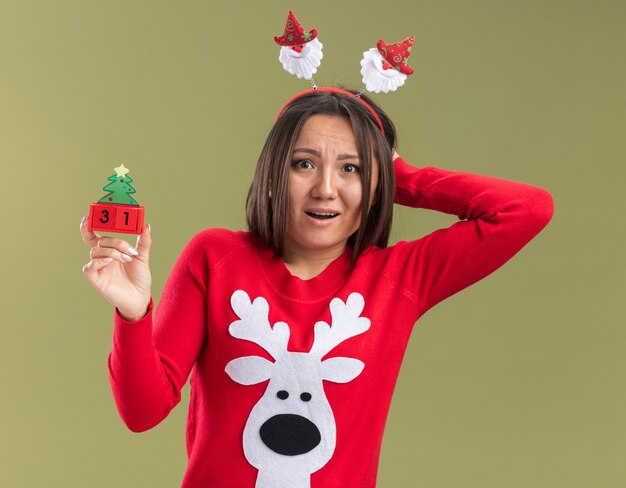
(291, 379)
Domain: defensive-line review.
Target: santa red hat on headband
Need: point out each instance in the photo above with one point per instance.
(397, 54)
(295, 34)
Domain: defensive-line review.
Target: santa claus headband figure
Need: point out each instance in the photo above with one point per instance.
(301, 51)
(383, 68)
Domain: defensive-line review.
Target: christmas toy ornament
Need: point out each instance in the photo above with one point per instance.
(117, 211)
(386, 67)
(301, 51)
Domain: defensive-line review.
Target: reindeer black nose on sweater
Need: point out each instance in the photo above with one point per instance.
(290, 434)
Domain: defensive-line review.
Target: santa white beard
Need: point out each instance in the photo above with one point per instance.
(376, 78)
(305, 63)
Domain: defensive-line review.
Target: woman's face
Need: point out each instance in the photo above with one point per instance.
(325, 186)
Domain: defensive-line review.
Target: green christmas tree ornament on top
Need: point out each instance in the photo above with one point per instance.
(117, 211)
(120, 188)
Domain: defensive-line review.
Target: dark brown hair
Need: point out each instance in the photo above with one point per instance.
(267, 217)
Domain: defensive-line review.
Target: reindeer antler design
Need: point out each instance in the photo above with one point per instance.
(346, 321)
(291, 431)
(254, 325)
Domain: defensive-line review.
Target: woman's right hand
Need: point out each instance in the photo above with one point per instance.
(119, 272)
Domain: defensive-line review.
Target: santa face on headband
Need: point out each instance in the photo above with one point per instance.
(302, 60)
(378, 74)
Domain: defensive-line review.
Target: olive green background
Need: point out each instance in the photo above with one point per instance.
(518, 381)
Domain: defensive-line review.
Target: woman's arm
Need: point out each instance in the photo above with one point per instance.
(151, 359)
(498, 217)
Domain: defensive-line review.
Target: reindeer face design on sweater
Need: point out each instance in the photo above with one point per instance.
(291, 431)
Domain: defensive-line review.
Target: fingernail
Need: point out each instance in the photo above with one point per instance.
(126, 257)
(107, 260)
(149, 228)
(133, 251)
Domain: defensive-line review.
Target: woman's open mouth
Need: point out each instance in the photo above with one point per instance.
(322, 215)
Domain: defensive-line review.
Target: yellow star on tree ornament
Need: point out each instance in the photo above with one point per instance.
(121, 170)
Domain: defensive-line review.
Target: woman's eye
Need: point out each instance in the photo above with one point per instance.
(351, 168)
(302, 164)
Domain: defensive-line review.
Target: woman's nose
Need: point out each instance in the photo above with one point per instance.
(325, 185)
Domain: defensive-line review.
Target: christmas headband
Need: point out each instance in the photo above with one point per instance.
(332, 89)
(383, 68)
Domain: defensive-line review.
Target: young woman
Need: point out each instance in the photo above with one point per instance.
(294, 331)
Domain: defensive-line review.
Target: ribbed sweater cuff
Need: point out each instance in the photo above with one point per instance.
(125, 331)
